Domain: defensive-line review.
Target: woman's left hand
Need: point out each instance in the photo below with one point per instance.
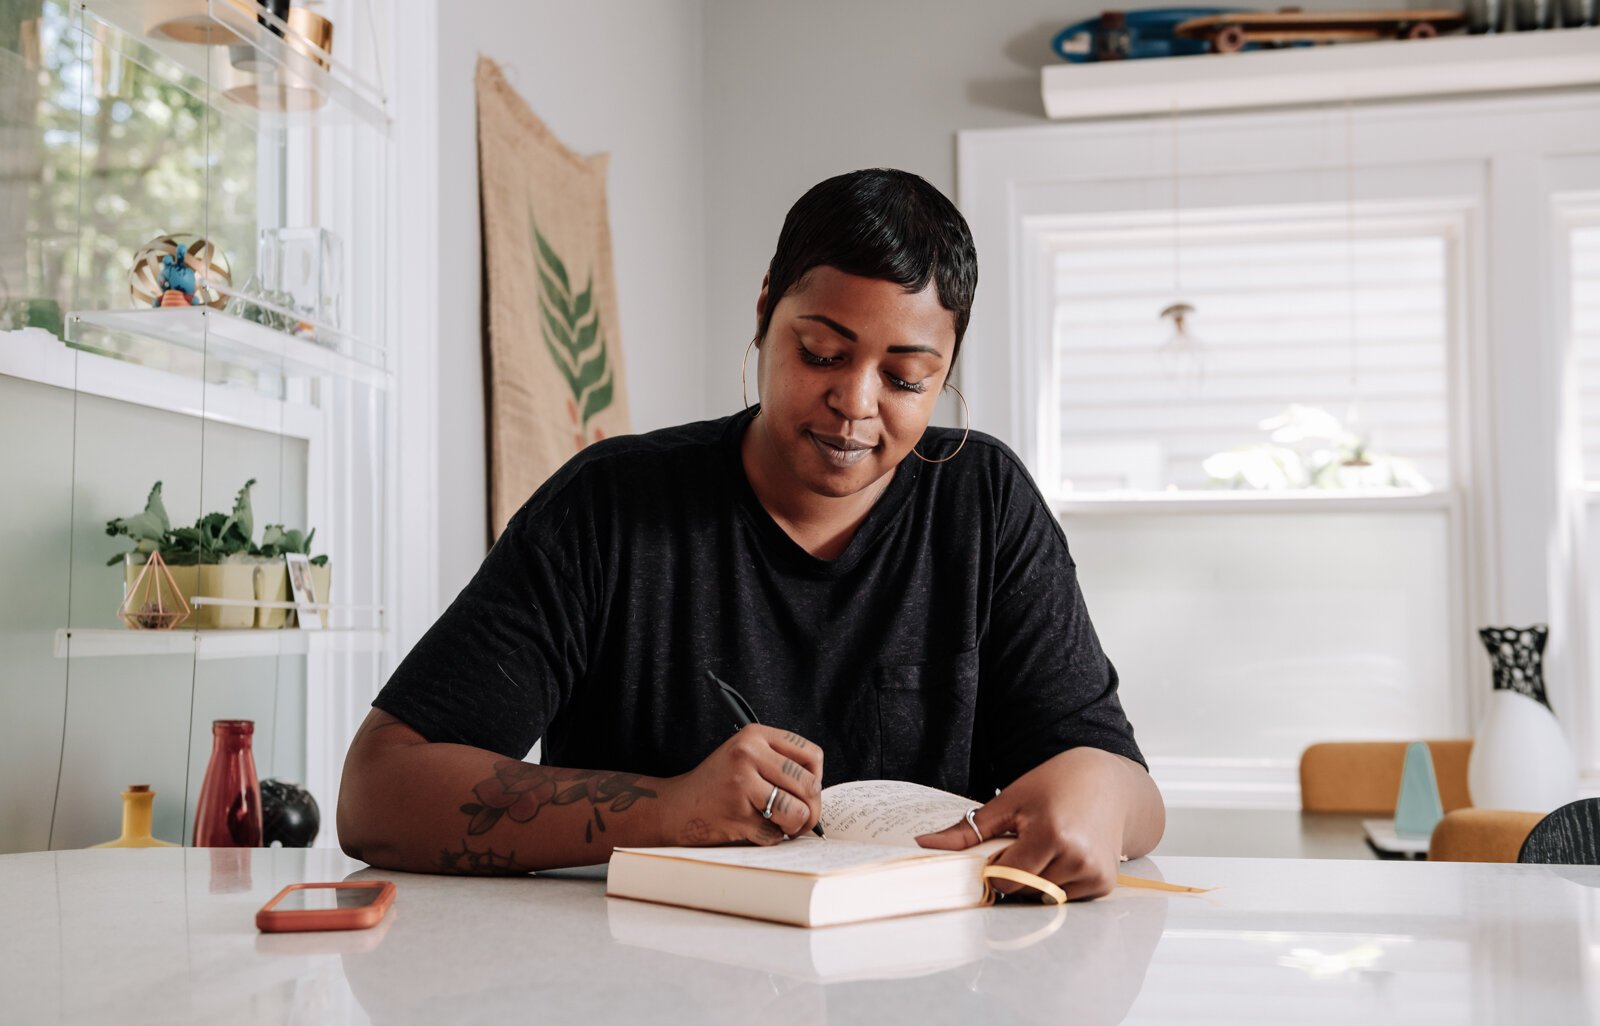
(1074, 816)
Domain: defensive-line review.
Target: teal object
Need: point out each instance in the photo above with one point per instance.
(1418, 809)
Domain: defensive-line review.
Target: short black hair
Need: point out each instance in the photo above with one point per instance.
(878, 223)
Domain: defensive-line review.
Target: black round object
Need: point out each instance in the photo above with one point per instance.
(289, 815)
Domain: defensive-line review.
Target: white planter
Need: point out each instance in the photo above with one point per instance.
(1520, 758)
(272, 585)
(322, 580)
(227, 581)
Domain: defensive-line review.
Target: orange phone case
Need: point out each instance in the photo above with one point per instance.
(270, 921)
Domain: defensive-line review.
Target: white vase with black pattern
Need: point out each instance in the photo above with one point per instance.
(1521, 759)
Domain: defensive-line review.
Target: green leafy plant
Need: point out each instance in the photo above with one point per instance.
(225, 535)
(148, 530)
(277, 540)
(214, 538)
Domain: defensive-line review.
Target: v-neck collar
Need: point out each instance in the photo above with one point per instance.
(777, 541)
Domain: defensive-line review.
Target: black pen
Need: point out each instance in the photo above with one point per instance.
(743, 715)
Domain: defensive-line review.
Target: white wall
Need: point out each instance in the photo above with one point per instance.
(624, 79)
(796, 93)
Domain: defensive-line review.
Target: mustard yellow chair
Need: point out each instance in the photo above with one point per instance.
(1481, 835)
(1364, 776)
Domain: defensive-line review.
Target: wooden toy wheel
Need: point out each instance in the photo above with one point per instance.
(1419, 30)
(1229, 39)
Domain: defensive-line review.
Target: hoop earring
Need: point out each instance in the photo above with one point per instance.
(743, 386)
(967, 412)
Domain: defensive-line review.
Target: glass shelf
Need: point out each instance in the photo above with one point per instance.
(33, 354)
(118, 135)
(227, 337)
(95, 642)
(216, 40)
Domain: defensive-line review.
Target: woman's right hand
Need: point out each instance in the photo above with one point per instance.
(722, 799)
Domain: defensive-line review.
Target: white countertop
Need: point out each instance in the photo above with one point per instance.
(168, 936)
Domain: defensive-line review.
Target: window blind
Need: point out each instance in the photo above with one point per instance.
(1354, 321)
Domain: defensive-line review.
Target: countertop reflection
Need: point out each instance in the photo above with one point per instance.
(168, 935)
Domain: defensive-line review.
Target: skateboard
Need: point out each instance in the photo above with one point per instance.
(1134, 35)
(1230, 33)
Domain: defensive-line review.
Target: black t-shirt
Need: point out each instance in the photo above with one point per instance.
(948, 644)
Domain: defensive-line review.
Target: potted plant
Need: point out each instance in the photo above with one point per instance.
(215, 558)
(276, 541)
(151, 531)
(218, 547)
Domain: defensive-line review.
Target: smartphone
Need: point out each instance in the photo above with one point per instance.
(352, 905)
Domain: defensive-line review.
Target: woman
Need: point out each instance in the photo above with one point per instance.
(893, 596)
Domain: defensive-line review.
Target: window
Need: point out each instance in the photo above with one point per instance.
(1260, 352)
(1260, 593)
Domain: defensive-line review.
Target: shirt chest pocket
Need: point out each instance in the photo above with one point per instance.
(925, 720)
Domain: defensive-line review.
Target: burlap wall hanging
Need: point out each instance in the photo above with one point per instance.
(552, 355)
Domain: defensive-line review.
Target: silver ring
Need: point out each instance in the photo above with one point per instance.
(766, 813)
(972, 821)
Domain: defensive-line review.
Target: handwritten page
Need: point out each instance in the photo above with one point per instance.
(801, 855)
(889, 811)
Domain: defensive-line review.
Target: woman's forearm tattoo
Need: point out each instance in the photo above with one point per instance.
(519, 790)
(481, 863)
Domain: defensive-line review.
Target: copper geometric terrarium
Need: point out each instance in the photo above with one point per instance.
(154, 601)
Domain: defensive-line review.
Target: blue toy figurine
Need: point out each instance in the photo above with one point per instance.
(177, 283)
(179, 271)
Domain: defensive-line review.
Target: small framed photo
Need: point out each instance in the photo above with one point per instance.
(305, 591)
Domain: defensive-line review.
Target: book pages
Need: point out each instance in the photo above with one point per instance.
(889, 811)
(807, 855)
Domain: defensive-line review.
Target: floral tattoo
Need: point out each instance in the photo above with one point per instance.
(481, 863)
(519, 790)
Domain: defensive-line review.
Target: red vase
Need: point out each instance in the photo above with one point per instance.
(229, 813)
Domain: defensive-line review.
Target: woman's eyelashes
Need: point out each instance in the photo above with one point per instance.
(815, 360)
(818, 360)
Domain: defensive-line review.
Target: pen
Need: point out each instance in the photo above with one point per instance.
(742, 714)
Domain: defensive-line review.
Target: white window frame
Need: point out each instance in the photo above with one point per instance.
(1506, 496)
(408, 42)
(1575, 204)
(404, 39)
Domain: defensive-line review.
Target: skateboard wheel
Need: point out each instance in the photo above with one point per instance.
(1229, 39)
(1419, 30)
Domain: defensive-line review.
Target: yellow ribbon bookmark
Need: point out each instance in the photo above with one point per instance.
(1124, 880)
(1050, 894)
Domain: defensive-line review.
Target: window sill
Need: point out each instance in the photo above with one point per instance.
(1206, 503)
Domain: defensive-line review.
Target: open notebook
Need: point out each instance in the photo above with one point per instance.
(869, 867)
